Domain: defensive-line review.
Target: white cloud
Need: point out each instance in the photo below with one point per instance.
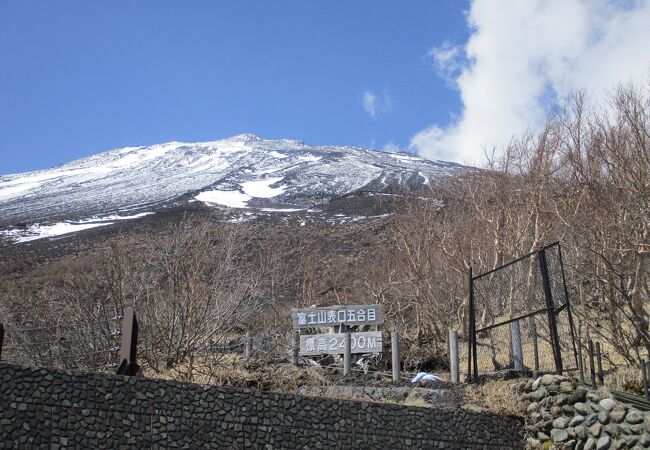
(392, 147)
(523, 55)
(447, 61)
(376, 105)
(370, 103)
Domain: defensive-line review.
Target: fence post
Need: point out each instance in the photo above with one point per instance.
(581, 369)
(472, 359)
(2, 338)
(347, 353)
(247, 345)
(647, 371)
(592, 367)
(599, 359)
(644, 375)
(295, 347)
(453, 356)
(515, 339)
(550, 309)
(533, 333)
(647, 393)
(568, 304)
(129, 348)
(394, 340)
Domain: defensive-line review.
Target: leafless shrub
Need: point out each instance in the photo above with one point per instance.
(583, 179)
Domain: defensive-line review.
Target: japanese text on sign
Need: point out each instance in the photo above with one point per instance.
(364, 342)
(337, 315)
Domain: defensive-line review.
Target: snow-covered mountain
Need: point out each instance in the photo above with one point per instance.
(243, 171)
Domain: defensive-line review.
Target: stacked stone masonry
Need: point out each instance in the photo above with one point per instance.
(45, 408)
(565, 415)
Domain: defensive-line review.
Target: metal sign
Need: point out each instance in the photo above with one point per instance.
(337, 315)
(364, 342)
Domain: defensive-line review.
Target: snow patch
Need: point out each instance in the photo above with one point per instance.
(114, 217)
(262, 188)
(38, 231)
(271, 170)
(48, 231)
(143, 154)
(232, 199)
(403, 157)
(237, 199)
(281, 209)
(310, 158)
(14, 190)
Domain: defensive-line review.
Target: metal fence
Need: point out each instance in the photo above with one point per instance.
(631, 382)
(520, 316)
(93, 345)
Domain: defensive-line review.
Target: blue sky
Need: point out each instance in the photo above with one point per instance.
(81, 77)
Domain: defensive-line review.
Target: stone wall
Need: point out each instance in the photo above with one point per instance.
(57, 409)
(565, 415)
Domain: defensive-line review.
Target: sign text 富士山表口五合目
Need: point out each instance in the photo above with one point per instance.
(337, 315)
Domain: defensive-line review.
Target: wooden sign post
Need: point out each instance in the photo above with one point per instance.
(346, 342)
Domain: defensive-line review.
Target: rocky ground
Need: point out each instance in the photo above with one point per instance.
(561, 414)
(439, 394)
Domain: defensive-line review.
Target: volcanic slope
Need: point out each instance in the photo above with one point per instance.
(243, 172)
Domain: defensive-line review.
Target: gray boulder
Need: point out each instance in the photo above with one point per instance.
(633, 417)
(618, 414)
(538, 394)
(568, 410)
(532, 407)
(566, 386)
(533, 443)
(595, 429)
(603, 443)
(561, 399)
(581, 432)
(561, 422)
(591, 419)
(576, 420)
(603, 417)
(548, 379)
(559, 435)
(579, 395)
(611, 429)
(607, 404)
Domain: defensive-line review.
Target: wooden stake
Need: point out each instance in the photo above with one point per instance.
(248, 345)
(533, 332)
(599, 356)
(453, 356)
(394, 339)
(347, 353)
(517, 352)
(592, 368)
(295, 348)
(129, 348)
(644, 375)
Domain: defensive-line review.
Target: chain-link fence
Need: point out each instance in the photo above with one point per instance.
(520, 316)
(91, 345)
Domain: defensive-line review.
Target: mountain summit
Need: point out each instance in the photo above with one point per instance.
(243, 171)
